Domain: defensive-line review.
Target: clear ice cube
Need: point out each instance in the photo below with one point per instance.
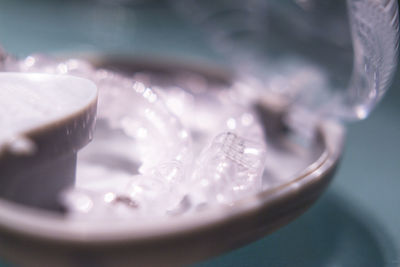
(230, 168)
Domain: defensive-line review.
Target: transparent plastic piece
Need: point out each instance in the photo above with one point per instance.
(375, 26)
(346, 49)
(230, 159)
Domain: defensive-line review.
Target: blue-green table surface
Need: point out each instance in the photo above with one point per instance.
(355, 223)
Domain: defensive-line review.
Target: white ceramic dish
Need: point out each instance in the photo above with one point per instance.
(35, 237)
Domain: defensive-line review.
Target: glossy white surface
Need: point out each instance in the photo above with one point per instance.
(32, 101)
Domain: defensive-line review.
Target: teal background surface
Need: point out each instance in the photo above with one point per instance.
(355, 223)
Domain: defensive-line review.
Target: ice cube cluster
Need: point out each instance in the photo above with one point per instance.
(160, 151)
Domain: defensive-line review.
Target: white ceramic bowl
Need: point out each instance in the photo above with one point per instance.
(34, 237)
